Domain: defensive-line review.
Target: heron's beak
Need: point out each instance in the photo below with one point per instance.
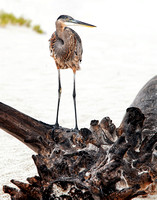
(77, 22)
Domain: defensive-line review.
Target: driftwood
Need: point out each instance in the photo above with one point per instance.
(101, 163)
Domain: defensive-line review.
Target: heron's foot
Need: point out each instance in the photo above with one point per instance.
(55, 126)
(76, 129)
(53, 134)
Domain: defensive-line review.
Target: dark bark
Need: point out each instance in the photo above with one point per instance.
(22, 126)
(103, 162)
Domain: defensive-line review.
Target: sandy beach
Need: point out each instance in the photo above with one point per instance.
(119, 57)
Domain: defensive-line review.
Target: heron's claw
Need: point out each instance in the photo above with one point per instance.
(56, 126)
(76, 129)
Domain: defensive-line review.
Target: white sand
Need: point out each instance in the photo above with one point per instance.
(119, 57)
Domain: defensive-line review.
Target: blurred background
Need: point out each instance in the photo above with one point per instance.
(119, 57)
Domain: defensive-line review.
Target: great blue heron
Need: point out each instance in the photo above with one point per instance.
(66, 49)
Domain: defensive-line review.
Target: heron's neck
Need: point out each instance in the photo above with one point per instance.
(60, 29)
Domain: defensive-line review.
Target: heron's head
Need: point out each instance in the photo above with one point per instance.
(69, 21)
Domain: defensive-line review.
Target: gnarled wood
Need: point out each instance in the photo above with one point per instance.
(101, 163)
(146, 100)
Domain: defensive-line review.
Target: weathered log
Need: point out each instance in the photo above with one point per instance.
(23, 127)
(101, 163)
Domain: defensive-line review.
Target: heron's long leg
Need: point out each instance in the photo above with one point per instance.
(59, 97)
(74, 98)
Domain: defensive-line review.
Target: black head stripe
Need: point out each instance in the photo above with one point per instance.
(64, 17)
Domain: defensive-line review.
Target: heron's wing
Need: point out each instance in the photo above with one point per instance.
(69, 45)
(74, 53)
(78, 50)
